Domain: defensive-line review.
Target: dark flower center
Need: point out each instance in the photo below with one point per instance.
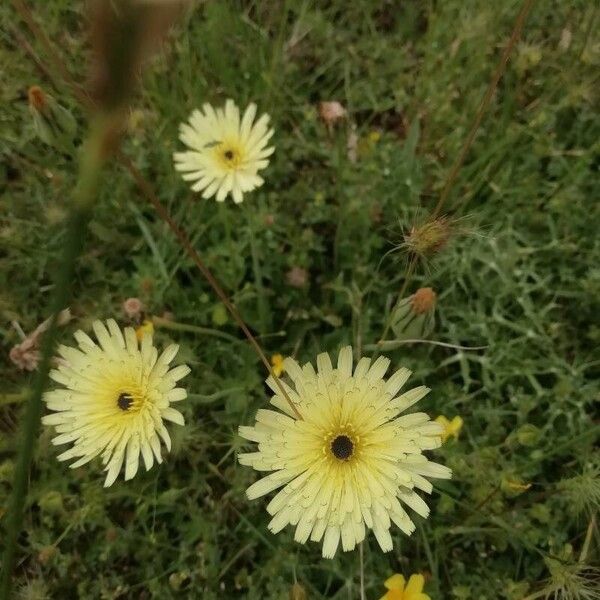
(124, 401)
(228, 154)
(342, 447)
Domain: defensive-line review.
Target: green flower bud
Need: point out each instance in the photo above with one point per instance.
(52, 503)
(413, 317)
(53, 123)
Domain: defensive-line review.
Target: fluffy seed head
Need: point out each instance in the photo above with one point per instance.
(133, 308)
(428, 239)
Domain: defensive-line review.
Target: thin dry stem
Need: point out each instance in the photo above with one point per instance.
(500, 69)
(186, 244)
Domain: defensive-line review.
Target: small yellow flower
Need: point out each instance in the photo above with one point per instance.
(516, 486)
(398, 590)
(146, 327)
(277, 364)
(374, 136)
(451, 428)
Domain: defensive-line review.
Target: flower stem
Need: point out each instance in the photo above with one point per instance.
(485, 102)
(89, 170)
(362, 571)
(263, 310)
(175, 326)
(388, 323)
(186, 244)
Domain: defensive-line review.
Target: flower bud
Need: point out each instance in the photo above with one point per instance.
(53, 123)
(297, 592)
(52, 503)
(413, 317)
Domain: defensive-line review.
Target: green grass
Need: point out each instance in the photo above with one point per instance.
(522, 278)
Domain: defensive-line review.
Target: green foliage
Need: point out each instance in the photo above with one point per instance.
(524, 281)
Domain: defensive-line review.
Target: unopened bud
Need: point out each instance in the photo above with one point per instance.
(51, 503)
(413, 317)
(53, 123)
(46, 554)
(37, 98)
(423, 300)
(298, 592)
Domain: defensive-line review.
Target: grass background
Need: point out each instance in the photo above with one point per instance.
(522, 278)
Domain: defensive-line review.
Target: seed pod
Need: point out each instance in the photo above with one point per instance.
(428, 239)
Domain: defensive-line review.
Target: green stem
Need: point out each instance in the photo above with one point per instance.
(15, 398)
(89, 170)
(175, 326)
(263, 310)
(388, 323)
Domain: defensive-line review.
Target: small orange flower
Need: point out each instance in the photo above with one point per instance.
(399, 590)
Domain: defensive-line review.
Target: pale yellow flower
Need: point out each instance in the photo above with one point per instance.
(451, 428)
(399, 590)
(351, 463)
(115, 398)
(225, 152)
(374, 136)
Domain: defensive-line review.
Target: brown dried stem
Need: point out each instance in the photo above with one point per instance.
(186, 244)
(487, 98)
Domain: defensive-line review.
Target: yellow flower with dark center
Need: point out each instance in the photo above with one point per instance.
(226, 152)
(115, 398)
(398, 589)
(352, 462)
(451, 428)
